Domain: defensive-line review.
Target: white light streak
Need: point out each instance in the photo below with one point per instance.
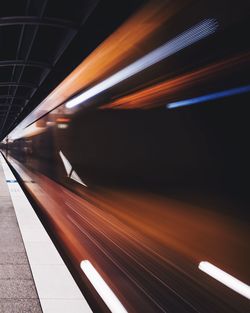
(69, 170)
(185, 39)
(66, 163)
(225, 278)
(102, 288)
(62, 126)
(76, 178)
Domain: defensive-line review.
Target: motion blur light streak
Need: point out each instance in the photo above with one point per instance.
(187, 38)
(66, 163)
(166, 188)
(156, 95)
(62, 126)
(121, 48)
(210, 97)
(69, 169)
(62, 120)
(225, 278)
(102, 288)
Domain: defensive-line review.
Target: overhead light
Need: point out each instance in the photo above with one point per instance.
(62, 120)
(185, 39)
(62, 126)
(225, 278)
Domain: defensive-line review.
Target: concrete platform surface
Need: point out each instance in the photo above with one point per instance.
(17, 288)
(33, 276)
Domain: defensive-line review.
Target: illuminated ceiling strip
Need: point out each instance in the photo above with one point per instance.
(185, 39)
(225, 278)
(102, 288)
(209, 97)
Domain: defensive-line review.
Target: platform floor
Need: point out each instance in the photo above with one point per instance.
(17, 288)
(33, 276)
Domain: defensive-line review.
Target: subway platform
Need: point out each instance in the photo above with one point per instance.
(33, 276)
(17, 288)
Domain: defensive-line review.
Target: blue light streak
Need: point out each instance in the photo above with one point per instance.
(209, 97)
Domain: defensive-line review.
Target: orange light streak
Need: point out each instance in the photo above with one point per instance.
(158, 94)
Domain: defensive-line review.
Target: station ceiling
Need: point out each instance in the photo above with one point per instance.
(42, 41)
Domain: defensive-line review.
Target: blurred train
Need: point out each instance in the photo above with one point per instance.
(139, 159)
